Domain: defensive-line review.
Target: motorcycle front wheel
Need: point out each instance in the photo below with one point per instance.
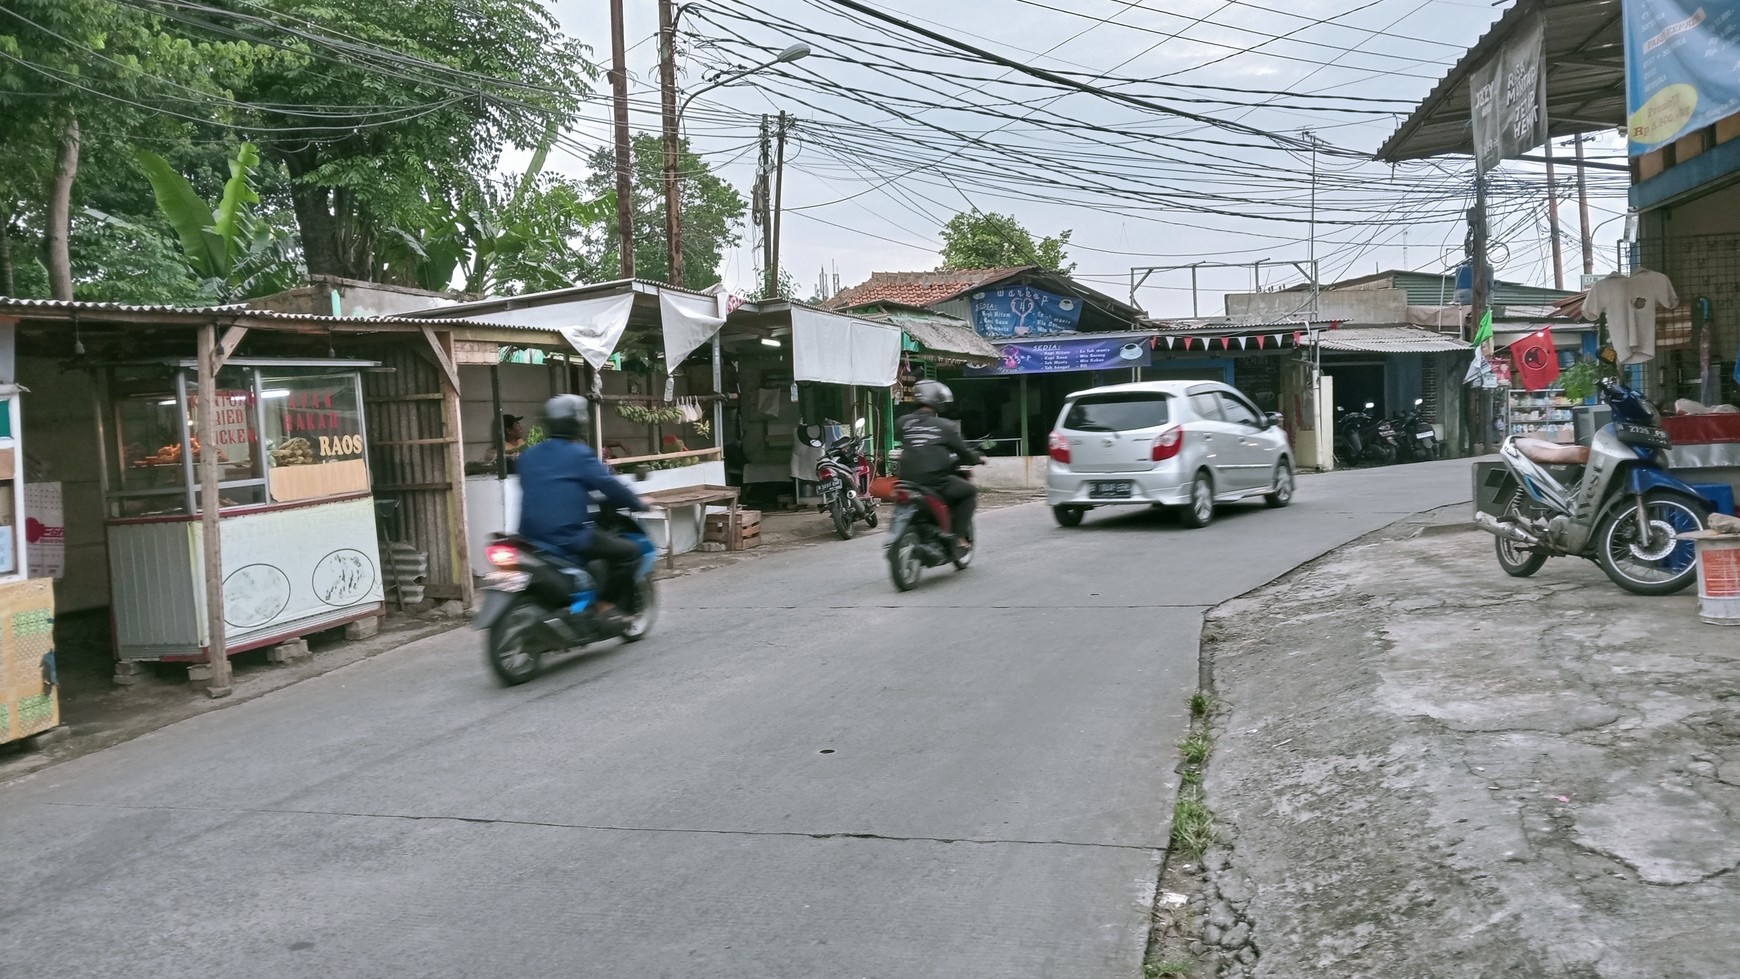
(844, 523)
(904, 564)
(515, 647)
(1663, 565)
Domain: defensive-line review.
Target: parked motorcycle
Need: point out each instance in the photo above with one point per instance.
(1613, 502)
(920, 535)
(536, 602)
(1416, 439)
(1362, 438)
(844, 476)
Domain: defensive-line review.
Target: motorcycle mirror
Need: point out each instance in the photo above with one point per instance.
(859, 427)
(1419, 401)
(1369, 405)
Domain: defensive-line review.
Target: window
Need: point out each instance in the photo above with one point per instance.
(1239, 412)
(314, 436)
(1116, 412)
(1207, 406)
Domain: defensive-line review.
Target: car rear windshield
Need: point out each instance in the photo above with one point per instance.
(1116, 412)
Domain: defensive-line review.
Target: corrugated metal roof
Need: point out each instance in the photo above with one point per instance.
(1585, 60)
(945, 335)
(80, 306)
(24, 307)
(1388, 340)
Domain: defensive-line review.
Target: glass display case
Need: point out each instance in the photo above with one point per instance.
(298, 538)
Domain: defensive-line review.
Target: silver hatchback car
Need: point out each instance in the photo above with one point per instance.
(1186, 444)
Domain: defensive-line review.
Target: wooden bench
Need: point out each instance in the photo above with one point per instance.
(699, 497)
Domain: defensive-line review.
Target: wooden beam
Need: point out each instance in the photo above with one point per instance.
(217, 643)
(226, 347)
(443, 357)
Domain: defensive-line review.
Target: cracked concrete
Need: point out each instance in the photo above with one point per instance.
(1429, 769)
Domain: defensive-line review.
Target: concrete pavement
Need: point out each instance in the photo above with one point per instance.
(801, 774)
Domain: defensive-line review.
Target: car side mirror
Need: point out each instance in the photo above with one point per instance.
(1273, 418)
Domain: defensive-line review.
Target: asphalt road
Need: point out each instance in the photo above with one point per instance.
(801, 774)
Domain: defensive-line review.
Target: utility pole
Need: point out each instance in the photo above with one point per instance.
(761, 202)
(1312, 253)
(668, 102)
(624, 160)
(1583, 208)
(778, 205)
(1553, 222)
(1481, 408)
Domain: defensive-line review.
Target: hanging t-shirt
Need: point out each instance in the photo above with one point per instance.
(1630, 304)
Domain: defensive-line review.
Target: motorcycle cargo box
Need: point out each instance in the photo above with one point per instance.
(1490, 482)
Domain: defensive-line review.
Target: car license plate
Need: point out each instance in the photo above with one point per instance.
(1643, 435)
(1118, 490)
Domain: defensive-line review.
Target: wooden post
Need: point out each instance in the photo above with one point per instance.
(1024, 435)
(456, 467)
(217, 643)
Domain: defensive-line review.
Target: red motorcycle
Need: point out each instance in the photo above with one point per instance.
(844, 476)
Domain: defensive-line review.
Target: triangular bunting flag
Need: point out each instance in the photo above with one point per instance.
(1170, 341)
(1187, 342)
(1278, 338)
(1226, 343)
(1242, 342)
(1260, 339)
(1296, 335)
(1153, 343)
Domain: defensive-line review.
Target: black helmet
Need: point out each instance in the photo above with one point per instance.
(935, 394)
(565, 416)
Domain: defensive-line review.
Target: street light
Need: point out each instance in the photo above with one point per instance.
(673, 139)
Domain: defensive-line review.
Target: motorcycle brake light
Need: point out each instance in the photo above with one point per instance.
(1168, 444)
(1059, 448)
(502, 555)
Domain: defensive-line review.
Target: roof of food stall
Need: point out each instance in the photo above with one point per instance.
(936, 333)
(1585, 68)
(93, 313)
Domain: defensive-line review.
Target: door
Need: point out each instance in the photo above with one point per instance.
(1216, 442)
(1258, 448)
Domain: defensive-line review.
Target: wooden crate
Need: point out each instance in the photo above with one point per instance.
(745, 535)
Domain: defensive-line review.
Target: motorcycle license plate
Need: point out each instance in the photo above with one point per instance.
(1110, 490)
(1643, 435)
(508, 581)
(1422, 436)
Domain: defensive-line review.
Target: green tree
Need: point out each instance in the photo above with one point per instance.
(378, 109)
(786, 288)
(234, 249)
(976, 240)
(712, 214)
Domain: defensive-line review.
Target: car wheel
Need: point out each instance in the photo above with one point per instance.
(1068, 516)
(1282, 492)
(1199, 512)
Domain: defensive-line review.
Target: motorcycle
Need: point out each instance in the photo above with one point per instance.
(844, 476)
(1361, 438)
(1612, 501)
(1417, 440)
(920, 535)
(536, 602)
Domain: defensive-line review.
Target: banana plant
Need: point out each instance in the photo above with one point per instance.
(231, 247)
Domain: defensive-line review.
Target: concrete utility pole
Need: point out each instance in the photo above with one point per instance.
(1553, 221)
(1480, 407)
(668, 102)
(1311, 255)
(1583, 207)
(624, 157)
(778, 206)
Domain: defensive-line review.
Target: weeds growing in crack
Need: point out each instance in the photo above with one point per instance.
(1196, 747)
(1192, 822)
(1200, 704)
(1168, 969)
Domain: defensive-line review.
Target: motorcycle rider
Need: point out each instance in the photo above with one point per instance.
(932, 449)
(557, 479)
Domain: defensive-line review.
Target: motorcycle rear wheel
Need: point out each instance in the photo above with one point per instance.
(515, 650)
(1670, 566)
(646, 612)
(905, 565)
(1515, 561)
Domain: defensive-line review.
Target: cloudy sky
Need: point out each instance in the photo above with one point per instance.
(1208, 162)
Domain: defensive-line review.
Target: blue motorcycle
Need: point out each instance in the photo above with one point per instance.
(536, 602)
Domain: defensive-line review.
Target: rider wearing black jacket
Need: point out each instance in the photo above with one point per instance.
(932, 448)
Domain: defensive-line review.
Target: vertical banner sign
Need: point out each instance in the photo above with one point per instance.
(1008, 312)
(45, 530)
(1682, 68)
(1509, 96)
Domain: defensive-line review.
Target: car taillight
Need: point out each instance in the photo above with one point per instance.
(502, 556)
(1059, 448)
(1168, 444)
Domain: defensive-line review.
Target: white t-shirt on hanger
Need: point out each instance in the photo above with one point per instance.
(1629, 304)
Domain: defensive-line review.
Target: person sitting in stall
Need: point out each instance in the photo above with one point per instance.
(513, 440)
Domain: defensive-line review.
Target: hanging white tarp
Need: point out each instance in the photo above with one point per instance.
(689, 321)
(591, 326)
(835, 349)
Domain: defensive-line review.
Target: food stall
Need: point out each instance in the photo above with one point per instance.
(298, 537)
(29, 684)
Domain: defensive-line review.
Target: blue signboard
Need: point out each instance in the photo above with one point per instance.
(1059, 356)
(1682, 68)
(1023, 311)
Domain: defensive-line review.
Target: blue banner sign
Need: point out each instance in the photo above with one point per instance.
(1060, 356)
(1023, 311)
(1680, 68)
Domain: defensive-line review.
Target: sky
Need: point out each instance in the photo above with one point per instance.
(894, 134)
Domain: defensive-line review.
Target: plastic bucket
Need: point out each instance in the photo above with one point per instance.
(1718, 578)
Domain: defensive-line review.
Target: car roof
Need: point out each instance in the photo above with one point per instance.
(1178, 389)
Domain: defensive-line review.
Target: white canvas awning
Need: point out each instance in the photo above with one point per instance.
(688, 322)
(832, 348)
(591, 326)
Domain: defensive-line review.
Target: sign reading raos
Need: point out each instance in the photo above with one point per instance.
(1681, 73)
(1023, 311)
(1509, 95)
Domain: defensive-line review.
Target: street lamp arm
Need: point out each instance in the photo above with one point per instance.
(792, 53)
